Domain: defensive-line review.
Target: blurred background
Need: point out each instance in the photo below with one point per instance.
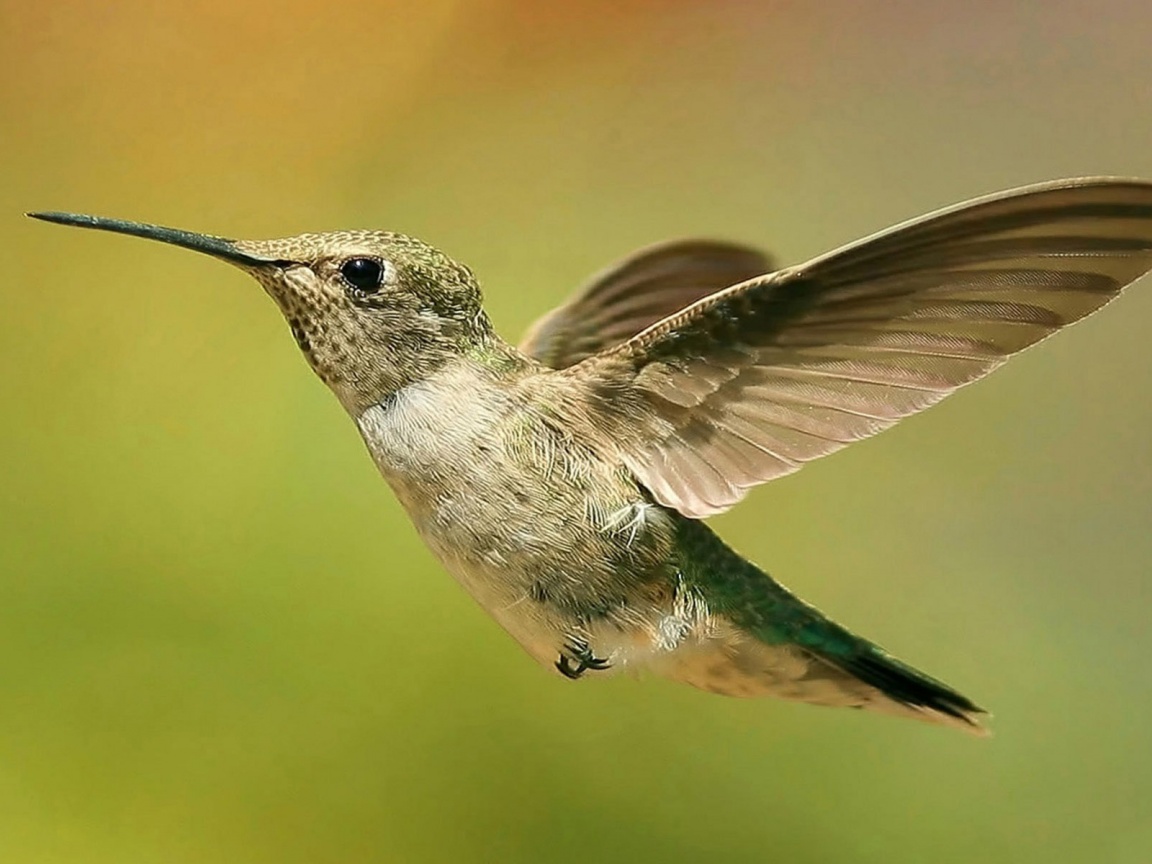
(221, 640)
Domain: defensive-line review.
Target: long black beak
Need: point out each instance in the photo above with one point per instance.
(217, 247)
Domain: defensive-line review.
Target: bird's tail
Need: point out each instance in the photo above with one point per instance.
(769, 642)
(907, 689)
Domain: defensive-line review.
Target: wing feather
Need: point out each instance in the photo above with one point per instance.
(636, 293)
(750, 382)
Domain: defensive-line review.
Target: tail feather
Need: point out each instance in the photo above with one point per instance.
(763, 640)
(907, 686)
(732, 664)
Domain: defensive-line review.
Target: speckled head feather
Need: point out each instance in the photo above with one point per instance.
(366, 342)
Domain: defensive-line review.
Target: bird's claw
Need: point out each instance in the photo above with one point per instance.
(580, 652)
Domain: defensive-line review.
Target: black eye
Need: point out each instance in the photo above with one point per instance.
(363, 274)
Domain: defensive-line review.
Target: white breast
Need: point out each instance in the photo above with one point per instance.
(428, 424)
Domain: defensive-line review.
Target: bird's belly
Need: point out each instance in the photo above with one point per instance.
(512, 600)
(553, 575)
(546, 579)
(554, 543)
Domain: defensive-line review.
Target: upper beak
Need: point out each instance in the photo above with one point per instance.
(218, 247)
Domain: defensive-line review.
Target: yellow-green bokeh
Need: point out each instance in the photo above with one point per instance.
(221, 641)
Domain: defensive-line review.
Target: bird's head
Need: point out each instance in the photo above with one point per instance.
(372, 311)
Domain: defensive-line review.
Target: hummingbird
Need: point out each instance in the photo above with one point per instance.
(564, 482)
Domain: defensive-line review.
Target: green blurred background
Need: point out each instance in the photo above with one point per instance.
(220, 639)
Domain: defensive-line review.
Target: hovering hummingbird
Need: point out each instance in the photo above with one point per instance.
(564, 483)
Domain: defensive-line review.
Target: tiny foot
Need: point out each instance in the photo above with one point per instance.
(578, 650)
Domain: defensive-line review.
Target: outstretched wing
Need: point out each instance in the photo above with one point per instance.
(751, 382)
(637, 292)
